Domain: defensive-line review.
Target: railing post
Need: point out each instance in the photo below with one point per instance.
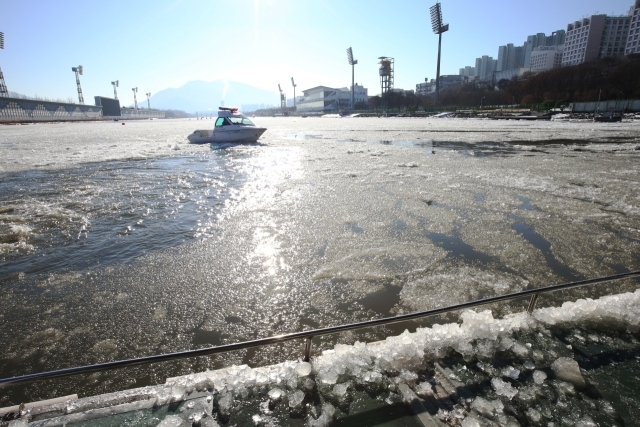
(532, 303)
(307, 349)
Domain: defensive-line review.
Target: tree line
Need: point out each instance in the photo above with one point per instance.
(605, 79)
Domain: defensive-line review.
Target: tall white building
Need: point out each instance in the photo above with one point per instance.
(510, 57)
(485, 67)
(468, 71)
(532, 43)
(633, 44)
(614, 36)
(596, 37)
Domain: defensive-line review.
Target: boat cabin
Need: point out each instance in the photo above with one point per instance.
(230, 116)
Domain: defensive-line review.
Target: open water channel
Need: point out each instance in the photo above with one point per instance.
(119, 241)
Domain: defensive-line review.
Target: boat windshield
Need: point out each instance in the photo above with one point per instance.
(237, 120)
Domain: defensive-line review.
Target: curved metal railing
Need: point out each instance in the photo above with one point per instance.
(309, 335)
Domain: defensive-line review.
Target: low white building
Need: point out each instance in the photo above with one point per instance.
(546, 57)
(517, 73)
(324, 98)
(425, 88)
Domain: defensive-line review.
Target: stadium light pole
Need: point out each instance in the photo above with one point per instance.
(115, 85)
(353, 73)
(438, 28)
(135, 99)
(148, 102)
(294, 94)
(78, 71)
(3, 86)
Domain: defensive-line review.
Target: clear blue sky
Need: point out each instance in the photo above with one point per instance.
(165, 43)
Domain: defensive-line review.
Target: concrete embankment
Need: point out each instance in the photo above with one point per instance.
(17, 110)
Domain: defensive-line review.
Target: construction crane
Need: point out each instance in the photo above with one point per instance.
(283, 99)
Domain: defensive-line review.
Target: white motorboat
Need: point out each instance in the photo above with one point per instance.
(230, 126)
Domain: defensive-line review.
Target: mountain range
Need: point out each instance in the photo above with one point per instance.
(201, 96)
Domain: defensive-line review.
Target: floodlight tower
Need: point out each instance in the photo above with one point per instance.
(115, 85)
(294, 94)
(283, 98)
(135, 99)
(78, 71)
(352, 62)
(148, 102)
(438, 28)
(386, 74)
(3, 86)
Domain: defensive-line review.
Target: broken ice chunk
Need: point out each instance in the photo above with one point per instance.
(511, 372)
(225, 403)
(169, 421)
(340, 390)
(539, 377)
(528, 364)
(470, 422)
(424, 389)
(533, 416)
(324, 420)
(275, 394)
(520, 350)
(329, 376)
(295, 399)
(586, 422)
(303, 369)
(487, 408)
(309, 384)
(503, 388)
(568, 370)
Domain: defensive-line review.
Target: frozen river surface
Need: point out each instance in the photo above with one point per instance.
(123, 241)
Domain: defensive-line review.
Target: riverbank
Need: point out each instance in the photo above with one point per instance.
(558, 365)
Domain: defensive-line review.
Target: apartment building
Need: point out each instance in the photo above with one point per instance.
(595, 37)
(633, 44)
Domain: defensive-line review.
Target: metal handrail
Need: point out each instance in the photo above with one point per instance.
(308, 334)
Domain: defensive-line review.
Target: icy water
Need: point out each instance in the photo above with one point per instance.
(119, 241)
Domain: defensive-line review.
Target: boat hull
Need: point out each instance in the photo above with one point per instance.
(232, 135)
(607, 119)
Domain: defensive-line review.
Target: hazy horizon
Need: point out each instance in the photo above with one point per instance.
(262, 43)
